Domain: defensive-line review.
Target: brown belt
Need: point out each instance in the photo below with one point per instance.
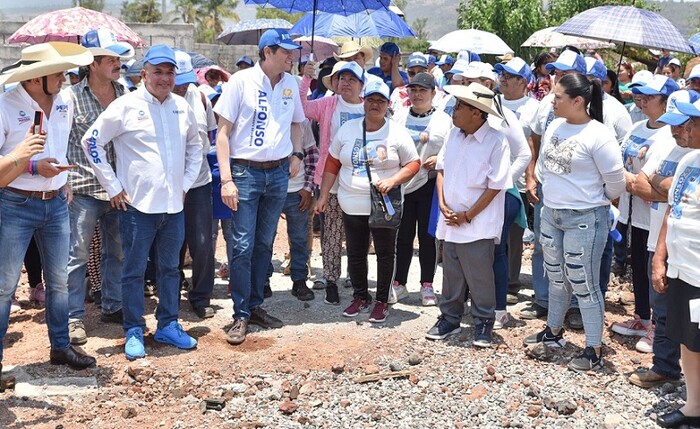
(39, 195)
(264, 165)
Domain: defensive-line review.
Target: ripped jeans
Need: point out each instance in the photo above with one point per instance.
(572, 244)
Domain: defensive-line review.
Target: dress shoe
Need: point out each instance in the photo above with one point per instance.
(72, 357)
(204, 312)
(676, 419)
(117, 317)
(259, 317)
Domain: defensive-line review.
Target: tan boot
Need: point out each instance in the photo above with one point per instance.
(647, 379)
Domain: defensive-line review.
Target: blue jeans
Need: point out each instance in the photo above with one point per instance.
(20, 219)
(572, 245)
(139, 231)
(84, 212)
(667, 353)
(540, 284)
(226, 232)
(261, 197)
(198, 223)
(500, 260)
(298, 232)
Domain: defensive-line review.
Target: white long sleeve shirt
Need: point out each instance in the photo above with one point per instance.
(158, 150)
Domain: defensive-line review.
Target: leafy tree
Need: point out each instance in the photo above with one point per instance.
(207, 16)
(147, 11)
(420, 43)
(97, 5)
(561, 10)
(273, 13)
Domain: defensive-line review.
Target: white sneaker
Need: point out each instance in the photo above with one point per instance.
(397, 293)
(428, 295)
(14, 306)
(502, 318)
(646, 343)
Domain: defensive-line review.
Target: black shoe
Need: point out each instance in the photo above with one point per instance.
(117, 317)
(204, 312)
(547, 338)
(185, 285)
(442, 329)
(483, 333)
(149, 288)
(533, 311)
(259, 317)
(72, 357)
(97, 298)
(236, 334)
(332, 294)
(676, 419)
(267, 292)
(301, 291)
(587, 361)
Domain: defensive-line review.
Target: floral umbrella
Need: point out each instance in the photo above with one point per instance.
(548, 38)
(249, 32)
(69, 25)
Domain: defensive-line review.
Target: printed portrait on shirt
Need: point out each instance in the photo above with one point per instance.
(419, 133)
(633, 152)
(666, 169)
(377, 153)
(558, 154)
(685, 191)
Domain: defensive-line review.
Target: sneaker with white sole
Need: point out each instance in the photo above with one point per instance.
(14, 306)
(356, 307)
(587, 361)
(379, 312)
(442, 329)
(646, 343)
(397, 292)
(547, 337)
(37, 294)
(632, 328)
(428, 295)
(502, 318)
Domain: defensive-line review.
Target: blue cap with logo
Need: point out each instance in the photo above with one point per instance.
(159, 54)
(246, 60)
(417, 60)
(354, 68)
(517, 66)
(277, 37)
(432, 59)
(445, 59)
(568, 60)
(673, 115)
(658, 85)
(185, 72)
(377, 87)
(596, 68)
(103, 41)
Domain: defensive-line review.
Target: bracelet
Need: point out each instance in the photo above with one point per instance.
(35, 169)
(14, 159)
(29, 167)
(466, 218)
(223, 182)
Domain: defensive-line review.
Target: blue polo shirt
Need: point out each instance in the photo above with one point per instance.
(387, 78)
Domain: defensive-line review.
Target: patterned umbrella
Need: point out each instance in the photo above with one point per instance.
(69, 25)
(339, 7)
(695, 43)
(323, 48)
(627, 25)
(377, 23)
(548, 38)
(248, 32)
(481, 42)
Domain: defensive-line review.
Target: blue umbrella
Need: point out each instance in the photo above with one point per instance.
(695, 42)
(627, 25)
(379, 23)
(248, 32)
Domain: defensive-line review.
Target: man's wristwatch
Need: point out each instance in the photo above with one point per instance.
(299, 155)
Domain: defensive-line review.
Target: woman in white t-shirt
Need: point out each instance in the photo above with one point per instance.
(581, 171)
(394, 161)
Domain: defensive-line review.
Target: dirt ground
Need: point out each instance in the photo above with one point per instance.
(316, 338)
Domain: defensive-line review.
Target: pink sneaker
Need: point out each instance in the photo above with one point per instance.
(379, 313)
(14, 306)
(356, 307)
(646, 343)
(223, 272)
(37, 294)
(632, 328)
(428, 294)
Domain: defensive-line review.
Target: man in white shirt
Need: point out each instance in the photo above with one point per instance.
(35, 197)
(199, 211)
(159, 153)
(258, 146)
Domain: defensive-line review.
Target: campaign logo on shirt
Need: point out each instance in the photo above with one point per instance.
(635, 150)
(23, 118)
(415, 131)
(260, 116)
(377, 154)
(287, 95)
(62, 108)
(92, 146)
(178, 112)
(141, 116)
(550, 118)
(686, 190)
(347, 116)
(666, 169)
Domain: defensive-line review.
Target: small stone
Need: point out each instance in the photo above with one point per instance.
(396, 366)
(477, 392)
(566, 407)
(533, 391)
(423, 384)
(499, 378)
(539, 351)
(415, 359)
(129, 413)
(613, 421)
(303, 420)
(635, 360)
(308, 388)
(526, 383)
(345, 403)
(490, 370)
(294, 392)
(413, 379)
(307, 305)
(316, 403)
(534, 411)
(667, 388)
(288, 407)
(338, 367)
(371, 369)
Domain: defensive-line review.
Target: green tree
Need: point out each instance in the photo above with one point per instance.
(561, 10)
(273, 13)
(146, 11)
(420, 42)
(97, 5)
(207, 16)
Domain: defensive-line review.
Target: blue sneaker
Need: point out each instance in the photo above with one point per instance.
(174, 335)
(134, 344)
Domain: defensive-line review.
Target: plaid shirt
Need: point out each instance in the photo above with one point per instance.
(82, 179)
(310, 161)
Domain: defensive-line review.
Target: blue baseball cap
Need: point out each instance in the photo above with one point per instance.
(245, 59)
(390, 48)
(159, 54)
(103, 41)
(377, 87)
(209, 91)
(568, 60)
(658, 85)
(417, 60)
(185, 72)
(641, 78)
(354, 68)
(596, 69)
(277, 37)
(689, 109)
(673, 115)
(432, 59)
(445, 59)
(517, 66)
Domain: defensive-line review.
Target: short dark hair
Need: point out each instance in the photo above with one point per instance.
(273, 48)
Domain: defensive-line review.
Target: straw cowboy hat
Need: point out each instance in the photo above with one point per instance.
(351, 48)
(327, 79)
(476, 95)
(45, 59)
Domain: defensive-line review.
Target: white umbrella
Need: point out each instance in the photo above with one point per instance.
(481, 42)
(548, 38)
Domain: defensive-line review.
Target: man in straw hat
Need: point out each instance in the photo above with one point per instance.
(35, 202)
(159, 152)
(352, 51)
(473, 173)
(90, 202)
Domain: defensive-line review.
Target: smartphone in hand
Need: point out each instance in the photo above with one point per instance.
(38, 122)
(63, 167)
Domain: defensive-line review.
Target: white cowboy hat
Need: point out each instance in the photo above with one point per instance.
(476, 95)
(45, 59)
(351, 48)
(327, 79)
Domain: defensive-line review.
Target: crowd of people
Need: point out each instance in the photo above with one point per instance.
(112, 180)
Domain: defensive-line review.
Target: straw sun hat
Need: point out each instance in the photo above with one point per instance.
(45, 59)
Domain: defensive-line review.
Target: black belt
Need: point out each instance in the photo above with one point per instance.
(39, 195)
(264, 165)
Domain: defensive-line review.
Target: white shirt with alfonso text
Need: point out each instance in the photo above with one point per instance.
(157, 146)
(262, 115)
(17, 116)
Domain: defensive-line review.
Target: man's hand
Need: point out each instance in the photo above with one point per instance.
(430, 163)
(31, 145)
(46, 169)
(396, 61)
(294, 166)
(531, 186)
(310, 69)
(306, 200)
(68, 192)
(229, 195)
(658, 275)
(120, 201)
